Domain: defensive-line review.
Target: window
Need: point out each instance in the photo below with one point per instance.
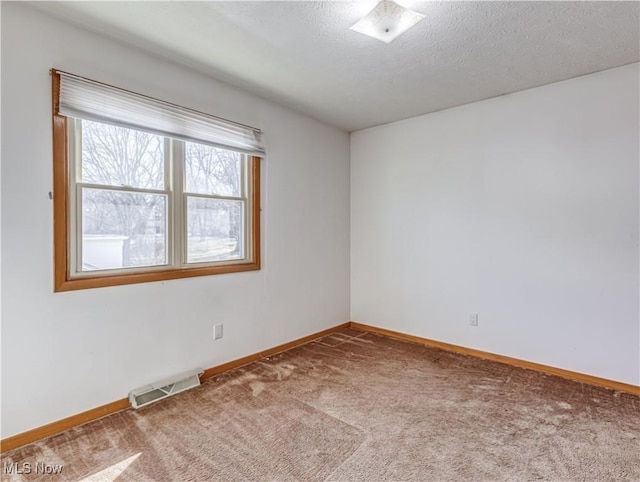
(141, 196)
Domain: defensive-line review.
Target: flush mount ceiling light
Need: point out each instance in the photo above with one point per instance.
(387, 21)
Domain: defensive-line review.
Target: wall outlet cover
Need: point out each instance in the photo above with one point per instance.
(473, 319)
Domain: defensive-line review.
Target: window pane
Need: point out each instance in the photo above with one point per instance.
(209, 170)
(117, 156)
(215, 230)
(123, 229)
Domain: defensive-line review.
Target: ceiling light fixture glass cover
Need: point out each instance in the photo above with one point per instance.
(387, 21)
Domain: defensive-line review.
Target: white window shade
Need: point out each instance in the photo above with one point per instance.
(91, 100)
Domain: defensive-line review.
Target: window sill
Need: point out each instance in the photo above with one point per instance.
(102, 280)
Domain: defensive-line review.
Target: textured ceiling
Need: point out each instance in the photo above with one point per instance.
(303, 55)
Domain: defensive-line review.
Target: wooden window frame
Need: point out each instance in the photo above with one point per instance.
(63, 279)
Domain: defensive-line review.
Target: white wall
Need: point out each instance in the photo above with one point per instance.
(68, 352)
(522, 208)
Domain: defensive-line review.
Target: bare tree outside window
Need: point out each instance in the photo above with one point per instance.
(209, 170)
(117, 156)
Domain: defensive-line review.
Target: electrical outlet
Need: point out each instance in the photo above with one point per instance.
(473, 319)
(217, 331)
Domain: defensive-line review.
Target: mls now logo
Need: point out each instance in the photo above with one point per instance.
(28, 468)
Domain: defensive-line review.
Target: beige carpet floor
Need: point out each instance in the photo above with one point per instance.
(356, 406)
